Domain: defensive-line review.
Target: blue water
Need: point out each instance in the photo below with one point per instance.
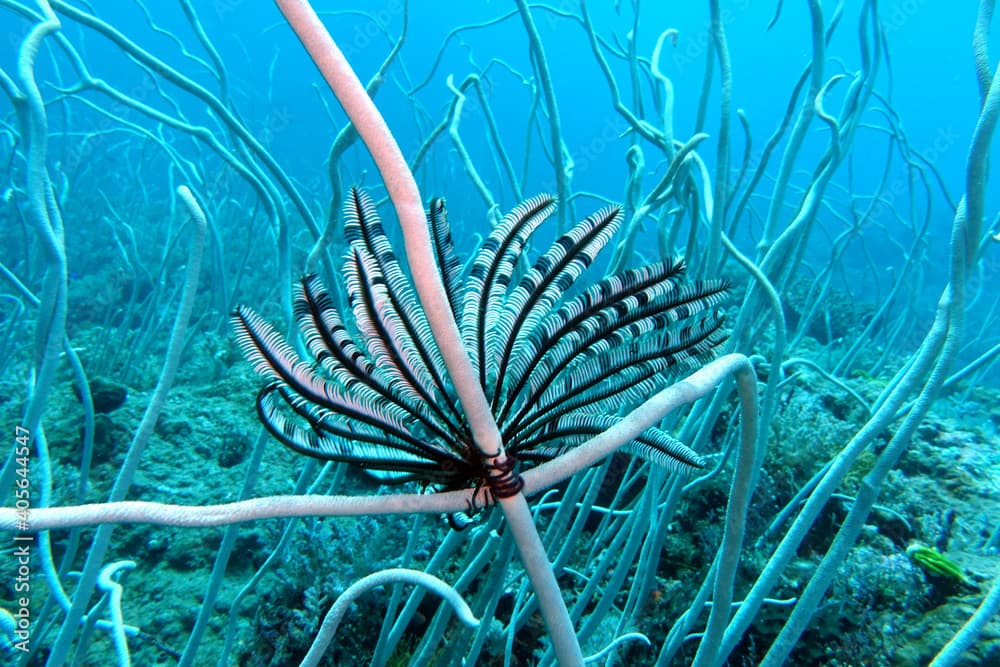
(114, 168)
(277, 91)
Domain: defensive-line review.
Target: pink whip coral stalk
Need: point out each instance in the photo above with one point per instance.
(406, 200)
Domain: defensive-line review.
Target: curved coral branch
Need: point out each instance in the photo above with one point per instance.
(394, 575)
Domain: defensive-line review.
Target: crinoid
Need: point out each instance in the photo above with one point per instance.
(557, 362)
